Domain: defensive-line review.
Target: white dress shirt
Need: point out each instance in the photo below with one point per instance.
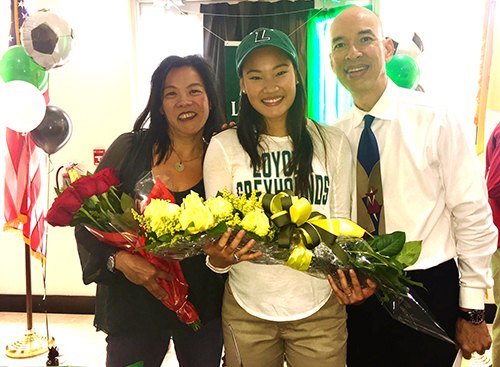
(433, 185)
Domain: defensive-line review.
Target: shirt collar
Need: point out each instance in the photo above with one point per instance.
(384, 108)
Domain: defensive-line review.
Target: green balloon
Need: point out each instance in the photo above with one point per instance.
(403, 71)
(17, 65)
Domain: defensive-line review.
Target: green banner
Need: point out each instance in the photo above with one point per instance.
(232, 81)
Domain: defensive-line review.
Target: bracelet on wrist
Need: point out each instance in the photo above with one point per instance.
(215, 269)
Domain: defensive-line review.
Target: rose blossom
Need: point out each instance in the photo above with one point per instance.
(105, 179)
(195, 212)
(219, 206)
(86, 186)
(160, 212)
(60, 213)
(256, 221)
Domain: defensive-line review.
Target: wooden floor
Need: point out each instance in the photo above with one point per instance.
(79, 343)
(75, 337)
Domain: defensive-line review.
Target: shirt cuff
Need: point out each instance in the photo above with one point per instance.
(472, 298)
(216, 269)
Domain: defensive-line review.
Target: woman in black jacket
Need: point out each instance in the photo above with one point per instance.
(183, 112)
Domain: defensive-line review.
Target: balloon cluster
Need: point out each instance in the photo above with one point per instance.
(47, 40)
(403, 69)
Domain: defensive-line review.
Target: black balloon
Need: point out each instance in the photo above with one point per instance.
(54, 131)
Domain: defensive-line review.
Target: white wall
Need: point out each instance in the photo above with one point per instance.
(95, 89)
(451, 31)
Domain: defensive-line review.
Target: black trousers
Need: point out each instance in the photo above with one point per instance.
(202, 348)
(377, 340)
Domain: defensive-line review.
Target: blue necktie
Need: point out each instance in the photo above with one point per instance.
(369, 181)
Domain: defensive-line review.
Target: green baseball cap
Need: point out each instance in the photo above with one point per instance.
(265, 37)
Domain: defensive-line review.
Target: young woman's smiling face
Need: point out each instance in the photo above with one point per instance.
(269, 80)
(185, 101)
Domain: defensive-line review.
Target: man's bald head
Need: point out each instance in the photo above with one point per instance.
(357, 14)
(359, 53)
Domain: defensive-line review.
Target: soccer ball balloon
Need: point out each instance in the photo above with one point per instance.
(47, 38)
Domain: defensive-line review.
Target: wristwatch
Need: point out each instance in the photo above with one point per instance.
(475, 317)
(111, 262)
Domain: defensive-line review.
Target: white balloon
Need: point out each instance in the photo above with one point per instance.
(22, 106)
(411, 49)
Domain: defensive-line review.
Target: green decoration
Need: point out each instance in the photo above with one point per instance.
(17, 65)
(328, 99)
(403, 71)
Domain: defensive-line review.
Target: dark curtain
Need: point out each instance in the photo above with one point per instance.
(238, 20)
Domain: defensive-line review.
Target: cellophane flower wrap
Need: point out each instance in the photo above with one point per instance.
(288, 232)
(95, 201)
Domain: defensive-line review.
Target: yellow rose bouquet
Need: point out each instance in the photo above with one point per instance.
(288, 232)
(176, 232)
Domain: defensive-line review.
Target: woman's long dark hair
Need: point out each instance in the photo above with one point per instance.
(251, 125)
(159, 126)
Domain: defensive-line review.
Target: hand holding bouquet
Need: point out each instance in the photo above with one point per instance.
(286, 231)
(94, 201)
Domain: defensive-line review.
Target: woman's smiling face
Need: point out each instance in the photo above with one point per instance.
(268, 78)
(185, 101)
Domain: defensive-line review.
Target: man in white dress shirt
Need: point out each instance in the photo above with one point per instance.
(433, 190)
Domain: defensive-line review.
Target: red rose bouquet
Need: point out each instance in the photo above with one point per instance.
(95, 202)
(87, 199)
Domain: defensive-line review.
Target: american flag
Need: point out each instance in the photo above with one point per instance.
(24, 202)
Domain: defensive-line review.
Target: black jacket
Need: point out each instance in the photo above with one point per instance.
(124, 308)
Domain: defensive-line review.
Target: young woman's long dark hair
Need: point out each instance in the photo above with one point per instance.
(251, 125)
(159, 126)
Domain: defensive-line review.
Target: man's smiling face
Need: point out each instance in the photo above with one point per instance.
(359, 53)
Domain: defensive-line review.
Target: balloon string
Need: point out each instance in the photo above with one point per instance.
(45, 251)
(45, 248)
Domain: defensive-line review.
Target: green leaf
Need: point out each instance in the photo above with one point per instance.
(123, 222)
(187, 233)
(410, 253)
(149, 244)
(389, 244)
(81, 221)
(413, 282)
(218, 229)
(392, 249)
(166, 238)
(126, 202)
(91, 202)
(129, 221)
(195, 237)
(115, 202)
